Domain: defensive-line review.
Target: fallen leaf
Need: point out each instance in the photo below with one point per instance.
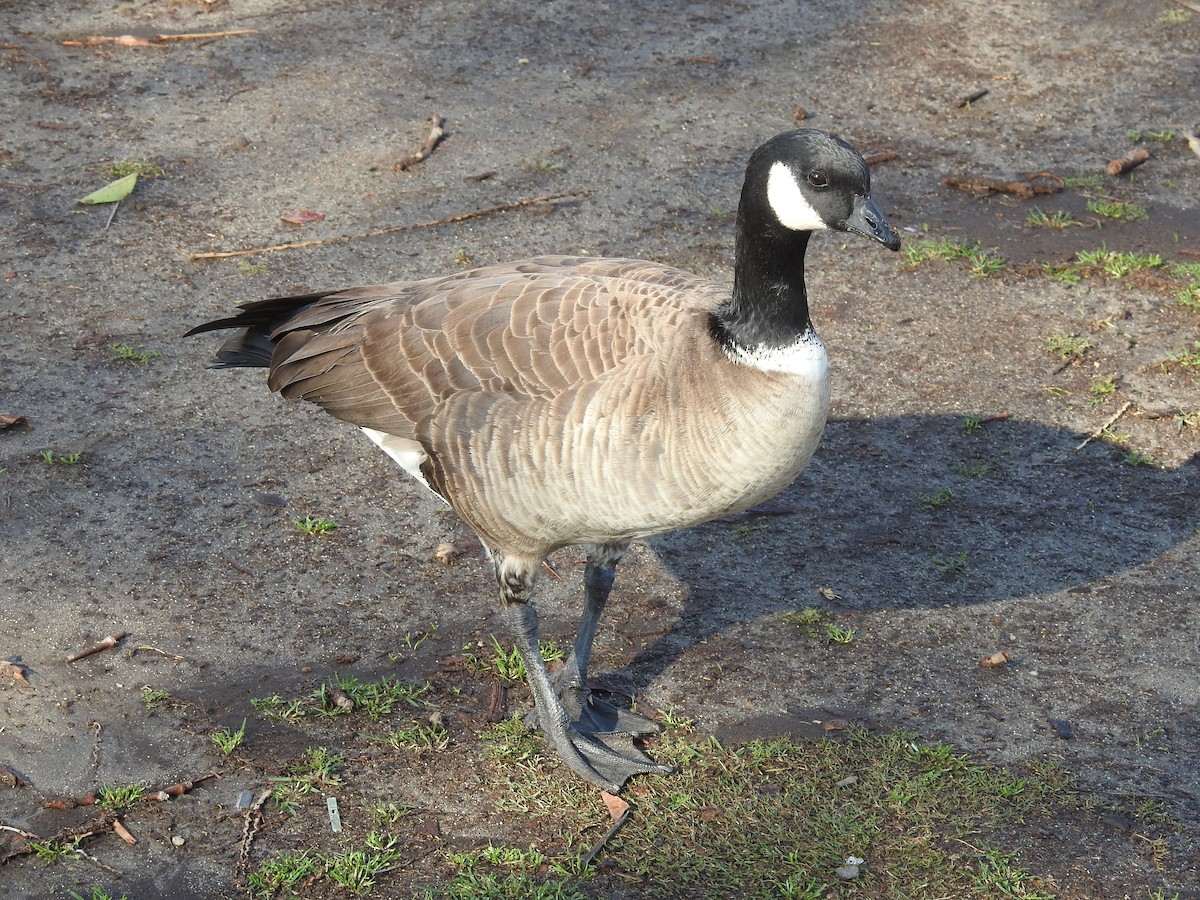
(835, 725)
(616, 806)
(7, 421)
(112, 192)
(13, 671)
(123, 832)
(446, 553)
(997, 659)
(302, 217)
(829, 594)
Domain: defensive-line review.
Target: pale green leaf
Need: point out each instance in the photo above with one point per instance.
(111, 193)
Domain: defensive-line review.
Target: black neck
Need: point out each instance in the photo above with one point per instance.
(769, 305)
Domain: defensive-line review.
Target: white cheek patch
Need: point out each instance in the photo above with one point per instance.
(788, 202)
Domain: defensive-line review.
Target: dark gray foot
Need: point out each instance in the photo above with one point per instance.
(590, 714)
(606, 760)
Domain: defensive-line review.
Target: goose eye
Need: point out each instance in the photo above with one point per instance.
(817, 179)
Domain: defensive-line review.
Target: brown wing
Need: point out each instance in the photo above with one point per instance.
(386, 356)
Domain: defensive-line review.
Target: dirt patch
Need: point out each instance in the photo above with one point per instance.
(940, 538)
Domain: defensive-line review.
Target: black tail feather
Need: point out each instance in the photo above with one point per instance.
(253, 346)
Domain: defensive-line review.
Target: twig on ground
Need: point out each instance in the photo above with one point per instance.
(875, 159)
(95, 763)
(436, 133)
(1029, 187)
(149, 649)
(104, 644)
(1190, 4)
(1123, 164)
(972, 97)
(250, 828)
(68, 837)
(1099, 432)
(134, 40)
(497, 704)
(69, 802)
(179, 788)
(452, 220)
(587, 858)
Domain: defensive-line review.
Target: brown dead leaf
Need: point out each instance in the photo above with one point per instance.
(615, 805)
(835, 725)
(446, 553)
(829, 594)
(997, 659)
(302, 217)
(14, 671)
(123, 832)
(9, 421)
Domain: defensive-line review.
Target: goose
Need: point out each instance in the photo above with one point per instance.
(573, 401)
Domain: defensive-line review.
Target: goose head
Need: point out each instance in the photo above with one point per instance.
(807, 180)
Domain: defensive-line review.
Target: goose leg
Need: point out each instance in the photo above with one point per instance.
(589, 713)
(606, 760)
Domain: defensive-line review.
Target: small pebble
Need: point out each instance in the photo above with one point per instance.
(244, 799)
(177, 840)
(847, 872)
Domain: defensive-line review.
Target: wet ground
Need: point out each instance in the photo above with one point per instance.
(953, 511)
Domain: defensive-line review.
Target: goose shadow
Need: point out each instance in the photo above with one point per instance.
(923, 512)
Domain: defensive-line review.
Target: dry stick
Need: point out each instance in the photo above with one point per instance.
(95, 746)
(972, 97)
(250, 828)
(452, 220)
(130, 40)
(1023, 189)
(105, 644)
(436, 133)
(1123, 164)
(150, 649)
(68, 837)
(587, 858)
(1100, 431)
(1194, 7)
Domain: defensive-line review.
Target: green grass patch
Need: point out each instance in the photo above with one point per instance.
(116, 798)
(777, 819)
(227, 740)
(1118, 209)
(1058, 220)
(979, 261)
(314, 526)
(1068, 347)
(127, 353)
(142, 168)
(1187, 358)
(506, 663)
